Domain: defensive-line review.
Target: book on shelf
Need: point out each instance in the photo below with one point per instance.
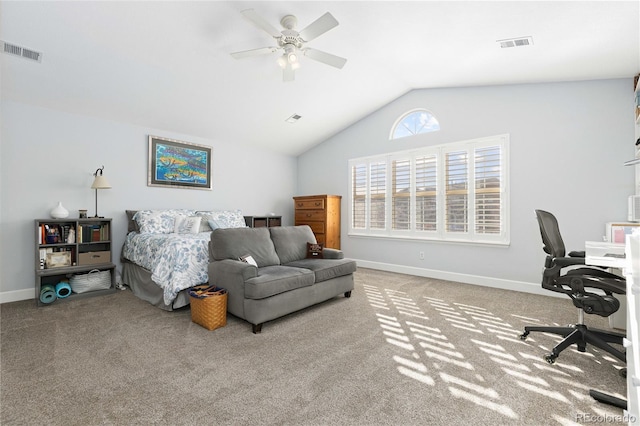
(93, 233)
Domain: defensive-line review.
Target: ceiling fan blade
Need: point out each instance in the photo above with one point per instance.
(325, 58)
(260, 22)
(288, 73)
(253, 52)
(318, 27)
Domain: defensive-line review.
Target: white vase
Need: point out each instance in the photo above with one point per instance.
(59, 212)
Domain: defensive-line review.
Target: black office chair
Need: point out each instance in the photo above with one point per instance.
(591, 290)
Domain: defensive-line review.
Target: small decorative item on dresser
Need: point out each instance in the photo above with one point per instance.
(82, 214)
(59, 212)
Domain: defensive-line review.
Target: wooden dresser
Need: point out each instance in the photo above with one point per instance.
(322, 214)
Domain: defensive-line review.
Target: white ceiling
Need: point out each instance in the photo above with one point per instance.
(166, 65)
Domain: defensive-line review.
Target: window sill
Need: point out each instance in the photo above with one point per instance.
(484, 243)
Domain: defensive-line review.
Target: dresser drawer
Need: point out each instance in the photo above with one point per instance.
(316, 227)
(307, 215)
(310, 204)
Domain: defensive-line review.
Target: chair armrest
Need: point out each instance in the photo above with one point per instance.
(329, 253)
(563, 262)
(577, 253)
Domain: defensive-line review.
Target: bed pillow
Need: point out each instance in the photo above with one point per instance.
(222, 218)
(187, 225)
(132, 225)
(159, 221)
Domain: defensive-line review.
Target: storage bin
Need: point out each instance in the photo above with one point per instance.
(94, 280)
(94, 257)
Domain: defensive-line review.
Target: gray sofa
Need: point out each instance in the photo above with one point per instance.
(284, 281)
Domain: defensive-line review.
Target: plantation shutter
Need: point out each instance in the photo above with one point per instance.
(401, 194)
(456, 191)
(488, 189)
(378, 189)
(426, 179)
(359, 191)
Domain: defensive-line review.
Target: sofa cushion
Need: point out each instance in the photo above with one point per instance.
(326, 269)
(291, 241)
(232, 243)
(272, 280)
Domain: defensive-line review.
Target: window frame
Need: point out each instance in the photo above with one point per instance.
(472, 235)
(400, 119)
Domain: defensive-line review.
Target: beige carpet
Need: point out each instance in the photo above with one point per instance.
(402, 350)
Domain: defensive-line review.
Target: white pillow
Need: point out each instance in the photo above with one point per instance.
(187, 225)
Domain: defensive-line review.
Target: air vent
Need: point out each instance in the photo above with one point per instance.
(22, 52)
(294, 118)
(515, 42)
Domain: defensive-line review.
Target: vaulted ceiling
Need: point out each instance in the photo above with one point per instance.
(167, 65)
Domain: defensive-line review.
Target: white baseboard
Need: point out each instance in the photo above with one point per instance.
(17, 295)
(533, 288)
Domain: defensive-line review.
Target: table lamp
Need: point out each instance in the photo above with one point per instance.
(100, 182)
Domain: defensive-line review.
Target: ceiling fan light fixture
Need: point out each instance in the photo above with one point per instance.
(282, 61)
(290, 53)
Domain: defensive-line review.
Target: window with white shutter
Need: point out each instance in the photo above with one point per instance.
(452, 192)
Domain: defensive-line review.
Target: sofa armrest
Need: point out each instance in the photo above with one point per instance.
(329, 253)
(231, 275)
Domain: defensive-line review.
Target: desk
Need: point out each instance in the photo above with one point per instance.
(609, 255)
(632, 342)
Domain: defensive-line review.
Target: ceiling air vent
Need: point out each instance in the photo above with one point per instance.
(294, 118)
(22, 52)
(516, 42)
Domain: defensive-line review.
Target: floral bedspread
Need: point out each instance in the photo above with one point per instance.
(176, 261)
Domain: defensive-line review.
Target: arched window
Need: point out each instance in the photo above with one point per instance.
(414, 122)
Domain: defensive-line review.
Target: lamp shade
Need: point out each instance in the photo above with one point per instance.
(100, 182)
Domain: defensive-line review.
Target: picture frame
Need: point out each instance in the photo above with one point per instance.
(58, 259)
(179, 164)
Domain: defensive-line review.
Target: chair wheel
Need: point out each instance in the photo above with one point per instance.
(524, 335)
(623, 372)
(550, 358)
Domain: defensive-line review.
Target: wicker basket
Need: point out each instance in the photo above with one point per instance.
(208, 306)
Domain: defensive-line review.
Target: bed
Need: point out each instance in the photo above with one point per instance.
(167, 251)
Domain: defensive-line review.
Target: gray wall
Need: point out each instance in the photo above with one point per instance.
(49, 156)
(568, 145)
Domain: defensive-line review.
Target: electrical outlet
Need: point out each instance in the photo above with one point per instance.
(421, 255)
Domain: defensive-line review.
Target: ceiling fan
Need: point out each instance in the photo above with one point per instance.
(292, 42)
